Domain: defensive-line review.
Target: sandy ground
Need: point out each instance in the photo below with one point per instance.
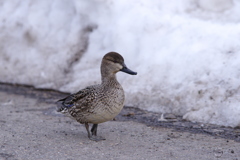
(31, 129)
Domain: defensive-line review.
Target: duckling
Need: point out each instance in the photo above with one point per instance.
(98, 103)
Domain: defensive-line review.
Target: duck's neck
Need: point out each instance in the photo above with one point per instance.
(108, 77)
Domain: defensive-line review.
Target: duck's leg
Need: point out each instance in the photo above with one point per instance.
(87, 128)
(94, 129)
(94, 136)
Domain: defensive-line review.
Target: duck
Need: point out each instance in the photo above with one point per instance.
(98, 103)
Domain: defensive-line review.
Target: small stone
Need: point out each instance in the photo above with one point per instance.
(218, 153)
(169, 116)
(215, 131)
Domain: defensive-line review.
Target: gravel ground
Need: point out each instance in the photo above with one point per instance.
(31, 129)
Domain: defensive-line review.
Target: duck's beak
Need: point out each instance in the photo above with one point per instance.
(126, 70)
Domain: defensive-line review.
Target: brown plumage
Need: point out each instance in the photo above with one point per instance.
(98, 103)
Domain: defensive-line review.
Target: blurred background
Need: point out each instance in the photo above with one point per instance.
(186, 52)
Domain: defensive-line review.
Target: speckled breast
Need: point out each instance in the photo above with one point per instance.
(109, 107)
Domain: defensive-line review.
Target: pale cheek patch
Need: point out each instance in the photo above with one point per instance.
(118, 66)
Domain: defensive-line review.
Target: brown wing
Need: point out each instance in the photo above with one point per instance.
(77, 100)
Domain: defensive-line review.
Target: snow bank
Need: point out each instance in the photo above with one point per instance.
(186, 52)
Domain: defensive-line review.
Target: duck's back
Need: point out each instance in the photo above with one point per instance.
(95, 104)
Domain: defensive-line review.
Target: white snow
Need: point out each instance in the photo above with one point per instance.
(186, 52)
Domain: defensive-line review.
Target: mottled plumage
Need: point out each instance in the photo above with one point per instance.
(98, 103)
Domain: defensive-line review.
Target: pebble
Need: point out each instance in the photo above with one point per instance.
(169, 116)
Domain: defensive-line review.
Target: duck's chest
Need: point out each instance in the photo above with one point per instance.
(116, 96)
(109, 105)
(112, 98)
